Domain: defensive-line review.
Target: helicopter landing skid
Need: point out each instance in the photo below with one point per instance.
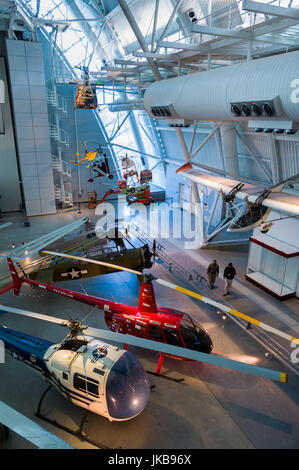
(79, 433)
(180, 381)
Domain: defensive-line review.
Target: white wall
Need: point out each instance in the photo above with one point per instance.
(26, 71)
(9, 176)
(287, 231)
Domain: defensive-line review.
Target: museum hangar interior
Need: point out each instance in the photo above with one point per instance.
(149, 204)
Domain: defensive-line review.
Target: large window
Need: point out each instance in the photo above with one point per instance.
(94, 44)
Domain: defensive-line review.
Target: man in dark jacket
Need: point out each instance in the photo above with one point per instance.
(228, 275)
(213, 271)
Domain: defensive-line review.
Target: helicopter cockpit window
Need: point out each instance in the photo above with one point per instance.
(127, 388)
(86, 384)
(156, 332)
(194, 335)
(190, 337)
(172, 337)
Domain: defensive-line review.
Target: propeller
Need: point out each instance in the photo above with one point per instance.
(160, 347)
(197, 296)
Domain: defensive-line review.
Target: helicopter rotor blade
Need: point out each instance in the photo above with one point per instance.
(161, 347)
(229, 310)
(39, 316)
(188, 354)
(191, 293)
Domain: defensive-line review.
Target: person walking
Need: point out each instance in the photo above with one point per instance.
(213, 272)
(228, 276)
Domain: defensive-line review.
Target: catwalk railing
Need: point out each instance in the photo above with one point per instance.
(198, 282)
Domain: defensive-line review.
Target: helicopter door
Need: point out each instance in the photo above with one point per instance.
(60, 372)
(155, 332)
(172, 337)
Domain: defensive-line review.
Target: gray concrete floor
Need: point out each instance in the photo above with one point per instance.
(213, 408)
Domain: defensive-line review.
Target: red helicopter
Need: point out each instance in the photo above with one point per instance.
(145, 321)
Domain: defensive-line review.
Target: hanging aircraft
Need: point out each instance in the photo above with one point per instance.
(86, 156)
(134, 187)
(86, 96)
(258, 200)
(100, 169)
(129, 169)
(164, 325)
(97, 157)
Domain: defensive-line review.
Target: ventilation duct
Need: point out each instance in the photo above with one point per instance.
(216, 94)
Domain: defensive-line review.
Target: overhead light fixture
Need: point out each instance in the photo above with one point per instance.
(224, 316)
(255, 110)
(245, 111)
(267, 110)
(235, 110)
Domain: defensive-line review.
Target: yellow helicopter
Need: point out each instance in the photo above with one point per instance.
(85, 155)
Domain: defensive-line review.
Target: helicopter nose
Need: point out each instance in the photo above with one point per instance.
(127, 388)
(206, 343)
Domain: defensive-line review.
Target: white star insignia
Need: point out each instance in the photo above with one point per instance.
(74, 274)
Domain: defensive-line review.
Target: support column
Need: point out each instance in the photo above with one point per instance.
(230, 151)
(187, 158)
(132, 22)
(194, 187)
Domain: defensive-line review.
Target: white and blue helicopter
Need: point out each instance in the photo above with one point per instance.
(92, 373)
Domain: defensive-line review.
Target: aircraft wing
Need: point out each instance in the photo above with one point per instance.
(283, 202)
(276, 200)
